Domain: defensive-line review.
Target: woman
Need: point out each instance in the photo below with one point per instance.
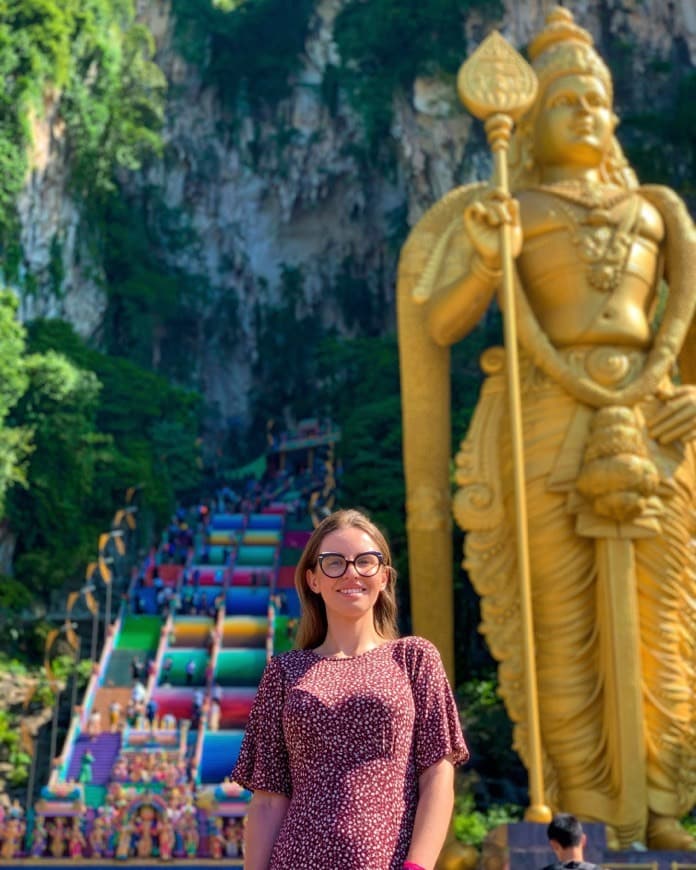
(352, 741)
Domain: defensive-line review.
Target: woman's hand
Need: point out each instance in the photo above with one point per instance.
(676, 419)
(482, 221)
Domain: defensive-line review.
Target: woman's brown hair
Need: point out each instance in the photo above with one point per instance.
(313, 623)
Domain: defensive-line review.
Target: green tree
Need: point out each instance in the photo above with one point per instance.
(385, 44)
(57, 516)
(91, 63)
(15, 441)
(152, 425)
(244, 48)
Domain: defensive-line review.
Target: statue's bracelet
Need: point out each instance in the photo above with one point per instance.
(478, 267)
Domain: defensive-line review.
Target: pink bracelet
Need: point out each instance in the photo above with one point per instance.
(409, 865)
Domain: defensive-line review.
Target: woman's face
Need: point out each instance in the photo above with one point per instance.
(350, 596)
(575, 124)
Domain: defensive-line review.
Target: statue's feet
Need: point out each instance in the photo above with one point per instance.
(666, 834)
(613, 841)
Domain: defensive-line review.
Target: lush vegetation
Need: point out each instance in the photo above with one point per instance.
(84, 68)
(660, 136)
(385, 44)
(14, 440)
(90, 425)
(247, 49)
(16, 744)
(79, 426)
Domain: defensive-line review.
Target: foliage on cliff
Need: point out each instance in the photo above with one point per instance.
(89, 426)
(78, 427)
(85, 64)
(246, 49)
(385, 44)
(15, 440)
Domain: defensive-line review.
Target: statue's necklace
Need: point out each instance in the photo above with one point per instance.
(589, 194)
(602, 241)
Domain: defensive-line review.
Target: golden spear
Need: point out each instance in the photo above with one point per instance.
(497, 86)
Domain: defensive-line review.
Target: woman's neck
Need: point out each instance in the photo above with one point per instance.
(349, 639)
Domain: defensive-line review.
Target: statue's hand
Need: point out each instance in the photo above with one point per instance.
(483, 219)
(677, 417)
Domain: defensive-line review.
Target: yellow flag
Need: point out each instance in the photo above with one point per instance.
(26, 740)
(50, 637)
(91, 603)
(31, 690)
(104, 570)
(72, 598)
(103, 540)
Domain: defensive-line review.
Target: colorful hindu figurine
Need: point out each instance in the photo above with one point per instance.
(85, 775)
(190, 832)
(12, 838)
(231, 840)
(76, 840)
(98, 836)
(166, 839)
(38, 840)
(57, 833)
(145, 829)
(216, 839)
(123, 845)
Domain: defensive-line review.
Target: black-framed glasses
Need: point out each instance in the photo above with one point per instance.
(335, 565)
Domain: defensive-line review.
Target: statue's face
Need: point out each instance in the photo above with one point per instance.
(575, 125)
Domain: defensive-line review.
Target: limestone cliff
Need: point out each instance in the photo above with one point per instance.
(290, 187)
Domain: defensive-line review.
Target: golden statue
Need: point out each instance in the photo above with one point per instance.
(603, 291)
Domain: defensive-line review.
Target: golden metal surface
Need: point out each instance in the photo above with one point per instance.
(605, 444)
(497, 85)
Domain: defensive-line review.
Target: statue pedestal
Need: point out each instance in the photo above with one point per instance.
(524, 846)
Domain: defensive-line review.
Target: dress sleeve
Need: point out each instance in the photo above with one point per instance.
(263, 758)
(437, 732)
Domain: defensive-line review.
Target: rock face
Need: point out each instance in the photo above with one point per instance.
(67, 281)
(290, 190)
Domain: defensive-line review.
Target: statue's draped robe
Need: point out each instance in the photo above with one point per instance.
(577, 732)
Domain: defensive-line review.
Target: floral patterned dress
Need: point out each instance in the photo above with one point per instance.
(346, 740)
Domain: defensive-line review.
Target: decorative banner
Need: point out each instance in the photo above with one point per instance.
(130, 492)
(91, 603)
(50, 637)
(120, 543)
(72, 598)
(104, 571)
(103, 541)
(26, 740)
(31, 691)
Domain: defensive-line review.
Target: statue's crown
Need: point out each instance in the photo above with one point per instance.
(564, 48)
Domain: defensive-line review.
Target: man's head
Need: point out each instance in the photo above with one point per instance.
(566, 837)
